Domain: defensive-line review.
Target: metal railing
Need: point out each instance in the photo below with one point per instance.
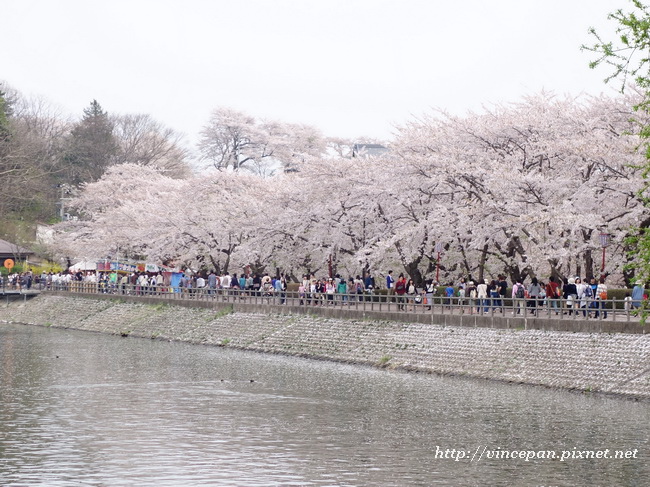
(562, 309)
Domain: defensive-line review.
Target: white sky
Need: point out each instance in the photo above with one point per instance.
(350, 67)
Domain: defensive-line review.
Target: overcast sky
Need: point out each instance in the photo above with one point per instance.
(350, 67)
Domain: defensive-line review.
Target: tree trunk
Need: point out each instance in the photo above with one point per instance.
(481, 265)
(555, 272)
(414, 272)
(589, 265)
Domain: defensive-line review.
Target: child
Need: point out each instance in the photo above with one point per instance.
(301, 293)
(628, 302)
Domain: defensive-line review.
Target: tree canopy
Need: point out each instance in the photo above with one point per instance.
(234, 140)
(628, 58)
(524, 189)
(92, 146)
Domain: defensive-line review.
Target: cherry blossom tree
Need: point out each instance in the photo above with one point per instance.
(235, 140)
(110, 214)
(531, 184)
(523, 189)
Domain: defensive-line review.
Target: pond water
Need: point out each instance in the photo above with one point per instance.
(79, 408)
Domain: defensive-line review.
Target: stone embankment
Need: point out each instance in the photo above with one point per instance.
(611, 363)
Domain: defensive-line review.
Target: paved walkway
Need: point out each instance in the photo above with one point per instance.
(373, 304)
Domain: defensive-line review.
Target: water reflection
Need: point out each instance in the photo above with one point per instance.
(89, 409)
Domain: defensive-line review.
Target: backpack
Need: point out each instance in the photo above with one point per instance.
(520, 292)
(589, 292)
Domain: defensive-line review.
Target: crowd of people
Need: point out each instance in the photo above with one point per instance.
(575, 296)
(29, 280)
(586, 297)
(20, 281)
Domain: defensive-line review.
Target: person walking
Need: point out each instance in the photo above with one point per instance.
(411, 292)
(637, 294)
(586, 295)
(493, 290)
(534, 291)
(570, 293)
(342, 290)
(301, 293)
(429, 290)
(553, 293)
(212, 282)
(601, 297)
(400, 291)
(503, 288)
(470, 291)
(518, 297)
(330, 289)
(280, 286)
(482, 294)
(390, 283)
(449, 293)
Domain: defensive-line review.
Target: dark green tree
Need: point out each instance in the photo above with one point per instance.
(92, 147)
(4, 119)
(6, 111)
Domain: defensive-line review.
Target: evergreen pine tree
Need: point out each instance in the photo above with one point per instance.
(92, 146)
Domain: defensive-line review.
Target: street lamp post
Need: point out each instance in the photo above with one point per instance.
(438, 248)
(66, 193)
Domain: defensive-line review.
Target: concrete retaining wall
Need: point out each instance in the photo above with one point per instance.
(616, 363)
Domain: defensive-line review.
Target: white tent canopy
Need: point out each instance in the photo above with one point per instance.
(89, 265)
(106, 265)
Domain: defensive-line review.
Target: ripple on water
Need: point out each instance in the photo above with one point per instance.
(137, 412)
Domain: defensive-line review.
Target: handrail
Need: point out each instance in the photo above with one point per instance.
(561, 309)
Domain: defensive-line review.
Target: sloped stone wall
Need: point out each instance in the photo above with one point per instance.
(615, 363)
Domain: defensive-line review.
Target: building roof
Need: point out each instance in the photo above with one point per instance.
(8, 249)
(369, 150)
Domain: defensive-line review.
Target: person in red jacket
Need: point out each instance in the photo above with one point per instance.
(400, 290)
(553, 292)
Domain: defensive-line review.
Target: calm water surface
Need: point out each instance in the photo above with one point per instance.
(81, 408)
